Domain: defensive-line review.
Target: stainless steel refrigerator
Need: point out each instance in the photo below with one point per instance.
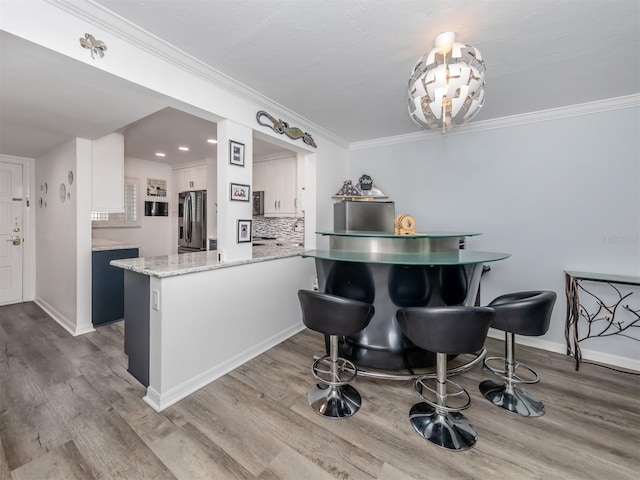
(192, 221)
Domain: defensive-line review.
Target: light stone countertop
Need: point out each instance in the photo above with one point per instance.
(185, 263)
(100, 244)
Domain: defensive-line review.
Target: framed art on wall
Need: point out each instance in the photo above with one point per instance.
(236, 153)
(156, 187)
(239, 192)
(244, 231)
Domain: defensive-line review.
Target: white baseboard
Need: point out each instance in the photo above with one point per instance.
(591, 355)
(61, 320)
(159, 401)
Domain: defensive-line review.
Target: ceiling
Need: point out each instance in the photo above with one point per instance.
(343, 65)
(46, 99)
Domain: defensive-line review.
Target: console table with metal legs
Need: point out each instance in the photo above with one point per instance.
(394, 271)
(609, 317)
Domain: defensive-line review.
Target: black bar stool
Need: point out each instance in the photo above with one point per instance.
(522, 313)
(335, 316)
(448, 331)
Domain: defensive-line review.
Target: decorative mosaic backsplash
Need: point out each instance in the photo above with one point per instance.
(286, 228)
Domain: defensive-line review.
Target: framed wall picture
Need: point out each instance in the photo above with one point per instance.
(244, 231)
(236, 153)
(239, 192)
(156, 187)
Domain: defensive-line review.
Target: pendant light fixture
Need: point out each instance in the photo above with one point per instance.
(446, 87)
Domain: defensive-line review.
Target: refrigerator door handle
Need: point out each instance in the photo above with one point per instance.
(187, 218)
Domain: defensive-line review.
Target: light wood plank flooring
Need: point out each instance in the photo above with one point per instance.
(70, 410)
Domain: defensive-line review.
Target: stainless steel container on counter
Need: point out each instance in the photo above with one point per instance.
(368, 216)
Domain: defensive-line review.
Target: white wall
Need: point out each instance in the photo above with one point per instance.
(331, 172)
(63, 236)
(154, 236)
(552, 193)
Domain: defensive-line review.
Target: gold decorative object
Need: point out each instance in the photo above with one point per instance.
(405, 224)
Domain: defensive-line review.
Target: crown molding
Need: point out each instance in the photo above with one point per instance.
(131, 33)
(597, 106)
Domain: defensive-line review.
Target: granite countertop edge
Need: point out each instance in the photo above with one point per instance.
(114, 247)
(102, 244)
(186, 263)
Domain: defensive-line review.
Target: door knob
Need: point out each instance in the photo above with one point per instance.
(15, 240)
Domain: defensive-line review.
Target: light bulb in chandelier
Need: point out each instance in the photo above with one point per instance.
(446, 87)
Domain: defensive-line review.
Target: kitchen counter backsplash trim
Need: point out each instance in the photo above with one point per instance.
(185, 263)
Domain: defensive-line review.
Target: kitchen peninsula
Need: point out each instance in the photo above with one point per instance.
(191, 318)
(392, 271)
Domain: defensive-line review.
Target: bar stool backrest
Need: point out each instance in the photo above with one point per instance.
(333, 315)
(524, 313)
(451, 330)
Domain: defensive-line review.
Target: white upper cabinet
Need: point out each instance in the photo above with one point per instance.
(107, 174)
(191, 178)
(278, 179)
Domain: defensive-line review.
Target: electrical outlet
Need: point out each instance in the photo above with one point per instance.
(155, 299)
(314, 284)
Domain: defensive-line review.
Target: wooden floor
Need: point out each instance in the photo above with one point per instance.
(70, 410)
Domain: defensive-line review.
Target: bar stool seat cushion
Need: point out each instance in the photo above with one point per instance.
(524, 313)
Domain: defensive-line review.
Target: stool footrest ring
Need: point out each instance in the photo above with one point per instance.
(420, 384)
(346, 371)
(515, 378)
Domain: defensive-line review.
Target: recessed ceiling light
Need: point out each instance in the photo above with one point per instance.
(212, 140)
(184, 149)
(159, 154)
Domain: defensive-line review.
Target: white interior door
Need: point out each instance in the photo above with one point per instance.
(11, 249)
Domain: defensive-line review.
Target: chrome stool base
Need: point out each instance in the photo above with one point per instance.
(334, 401)
(515, 400)
(451, 430)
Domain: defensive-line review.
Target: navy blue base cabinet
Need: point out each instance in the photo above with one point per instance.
(107, 290)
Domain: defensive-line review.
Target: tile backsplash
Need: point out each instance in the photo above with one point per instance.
(286, 228)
